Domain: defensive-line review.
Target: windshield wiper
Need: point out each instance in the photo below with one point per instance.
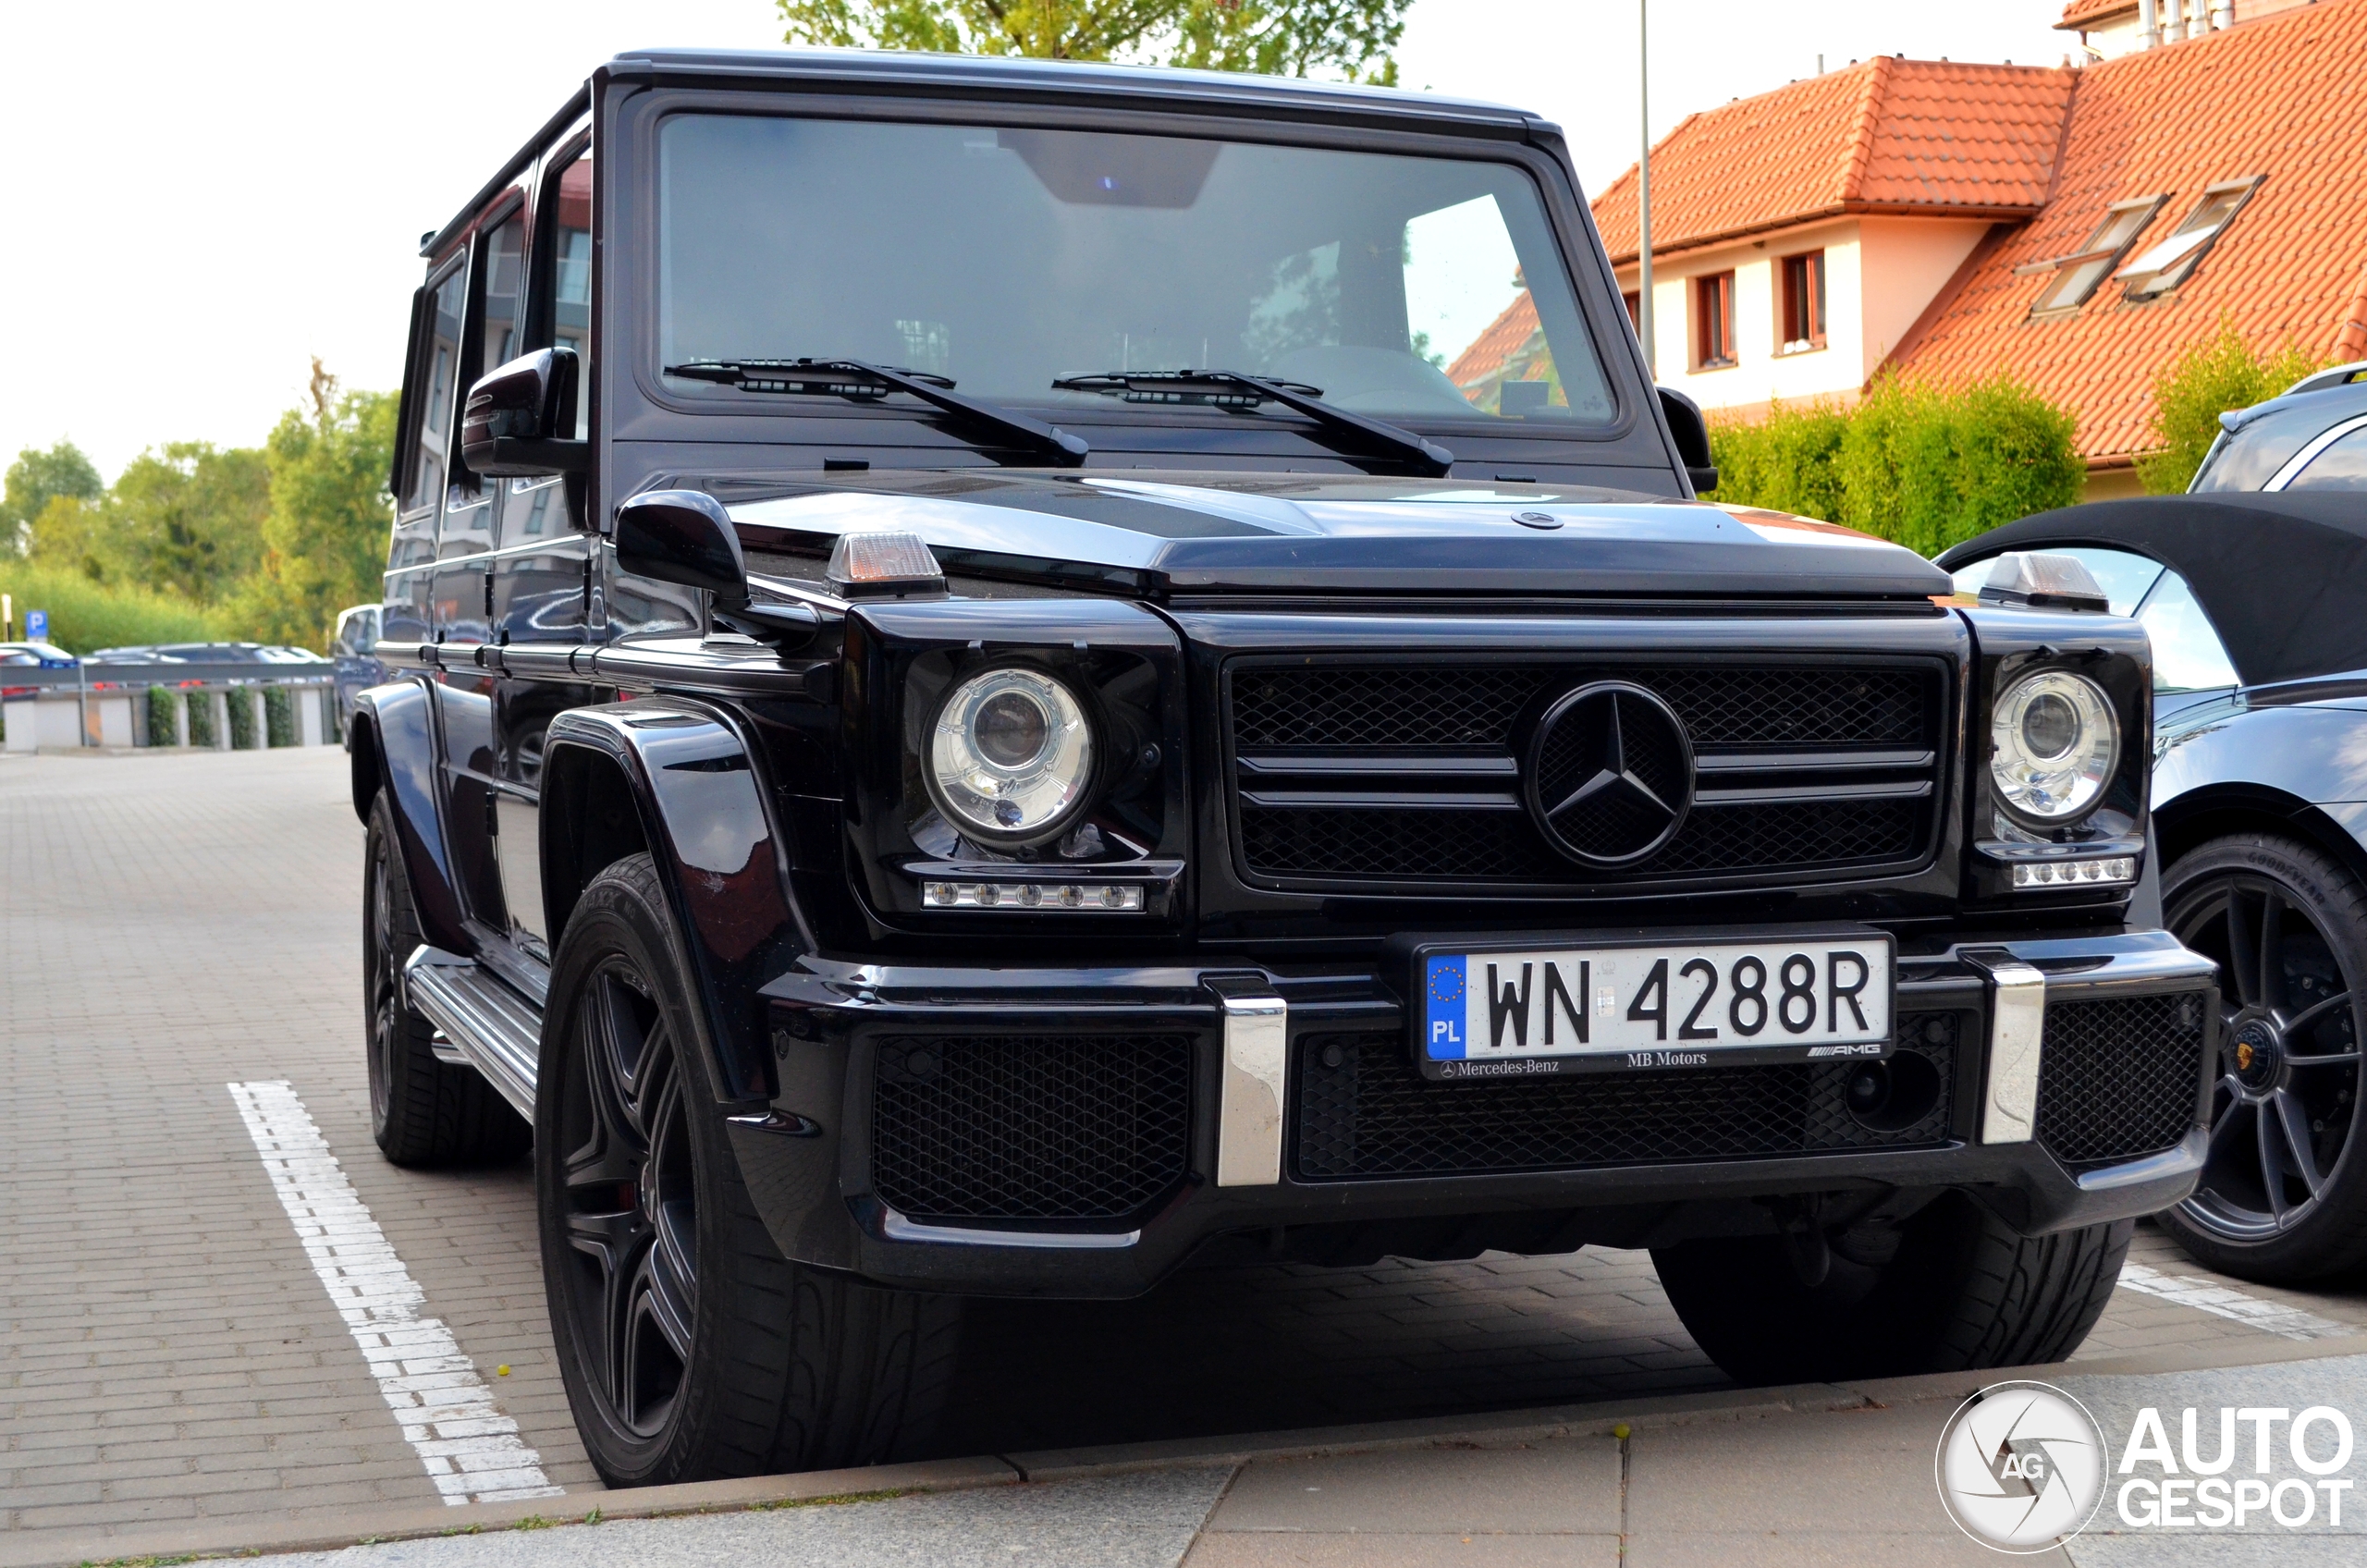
(855, 378)
(1231, 389)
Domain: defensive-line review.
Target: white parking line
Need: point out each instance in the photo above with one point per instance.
(2226, 1302)
(472, 1451)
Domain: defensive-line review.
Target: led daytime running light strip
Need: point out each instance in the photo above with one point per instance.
(2075, 872)
(1096, 898)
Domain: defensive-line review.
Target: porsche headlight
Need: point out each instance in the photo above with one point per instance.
(1010, 755)
(2053, 745)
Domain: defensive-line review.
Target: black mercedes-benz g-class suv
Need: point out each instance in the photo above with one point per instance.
(1008, 676)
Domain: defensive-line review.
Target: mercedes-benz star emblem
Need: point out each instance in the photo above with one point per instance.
(1610, 774)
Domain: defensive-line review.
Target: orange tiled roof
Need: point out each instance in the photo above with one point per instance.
(1500, 342)
(2080, 14)
(1887, 136)
(2285, 97)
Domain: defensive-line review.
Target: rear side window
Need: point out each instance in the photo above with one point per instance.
(2342, 466)
(435, 379)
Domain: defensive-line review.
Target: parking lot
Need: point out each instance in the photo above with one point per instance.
(174, 925)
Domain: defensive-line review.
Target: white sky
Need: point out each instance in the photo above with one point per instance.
(196, 199)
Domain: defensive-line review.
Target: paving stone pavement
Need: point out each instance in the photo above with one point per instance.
(174, 923)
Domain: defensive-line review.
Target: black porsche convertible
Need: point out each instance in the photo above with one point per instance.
(2257, 607)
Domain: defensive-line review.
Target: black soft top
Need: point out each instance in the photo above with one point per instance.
(2282, 577)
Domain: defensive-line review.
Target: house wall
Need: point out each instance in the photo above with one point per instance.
(1880, 273)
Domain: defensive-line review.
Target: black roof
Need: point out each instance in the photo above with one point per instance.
(2283, 577)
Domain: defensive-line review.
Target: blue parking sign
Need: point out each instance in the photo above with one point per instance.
(36, 626)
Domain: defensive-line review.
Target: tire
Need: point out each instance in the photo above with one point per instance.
(423, 1111)
(1959, 1290)
(2282, 1197)
(690, 1349)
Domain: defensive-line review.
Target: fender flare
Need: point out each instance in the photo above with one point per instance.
(697, 801)
(393, 732)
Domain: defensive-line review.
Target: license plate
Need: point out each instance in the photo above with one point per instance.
(1538, 1009)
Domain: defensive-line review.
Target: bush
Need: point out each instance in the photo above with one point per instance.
(84, 615)
(202, 732)
(2194, 389)
(163, 710)
(242, 719)
(278, 716)
(1922, 465)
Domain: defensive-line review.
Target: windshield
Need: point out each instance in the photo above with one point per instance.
(1420, 289)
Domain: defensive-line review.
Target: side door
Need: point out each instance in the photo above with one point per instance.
(541, 564)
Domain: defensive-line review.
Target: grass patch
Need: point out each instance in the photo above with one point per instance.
(830, 1500)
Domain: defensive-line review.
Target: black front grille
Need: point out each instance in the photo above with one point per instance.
(1374, 1115)
(1030, 1128)
(1476, 705)
(1413, 774)
(2120, 1079)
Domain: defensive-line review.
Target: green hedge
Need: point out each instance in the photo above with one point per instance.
(201, 720)
(242, 719)
(278, 716)
(84, 615)
(163, 710)
(1922, 465)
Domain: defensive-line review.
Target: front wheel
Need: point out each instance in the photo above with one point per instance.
(2282, 1197)
(690, 1349)
(1953, 1288)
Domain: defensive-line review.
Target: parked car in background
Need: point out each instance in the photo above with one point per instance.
(207, 653)
(2257, 607)
(358, 670)
(2312, 437)
(30, 655)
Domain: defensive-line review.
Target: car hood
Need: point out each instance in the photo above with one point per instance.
(1200, 533)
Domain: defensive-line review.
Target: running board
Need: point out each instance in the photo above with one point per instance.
(487, 1024)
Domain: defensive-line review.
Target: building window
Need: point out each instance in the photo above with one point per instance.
(1802, 278)
(1635, 302)
(2164, 267)
(1713, 321)
(2079, 274)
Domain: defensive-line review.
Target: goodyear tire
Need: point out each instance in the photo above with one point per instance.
(690, 1349)
(1958, 1289)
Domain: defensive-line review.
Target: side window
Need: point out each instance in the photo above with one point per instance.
(438, 371)
(2341, 466)
(467, 500)
(568, 283)
(2188, 655)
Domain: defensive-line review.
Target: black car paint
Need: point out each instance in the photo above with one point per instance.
(765, 781)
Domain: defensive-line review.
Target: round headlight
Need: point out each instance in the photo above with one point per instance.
(2053, 745)
(1010, 755)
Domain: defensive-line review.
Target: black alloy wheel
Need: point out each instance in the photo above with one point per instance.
(631, 1209)
(422, 1111)
(692, 1349)
(2283, 1195)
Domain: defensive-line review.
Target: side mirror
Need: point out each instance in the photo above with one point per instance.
(521, 418)
(683, 536)
(1692, 433)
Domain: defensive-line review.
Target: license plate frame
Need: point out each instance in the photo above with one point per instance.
(1638, 950)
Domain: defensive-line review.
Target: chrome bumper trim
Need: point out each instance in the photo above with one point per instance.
(2017, 1041)
(896, 1228)
(1249, 1102)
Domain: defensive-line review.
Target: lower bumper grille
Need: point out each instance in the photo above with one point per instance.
(2120, 1079)
(1027, 1129)
(1373, 1115)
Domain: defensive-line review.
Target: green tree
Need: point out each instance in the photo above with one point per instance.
(184, 519)
(325, 534)
(1354, 39)
(1784, 462)
(2210, 378)
(34, 480)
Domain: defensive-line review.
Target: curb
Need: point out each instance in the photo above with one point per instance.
(295, 1531)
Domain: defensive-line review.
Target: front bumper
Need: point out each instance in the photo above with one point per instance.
(1082, 1131)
